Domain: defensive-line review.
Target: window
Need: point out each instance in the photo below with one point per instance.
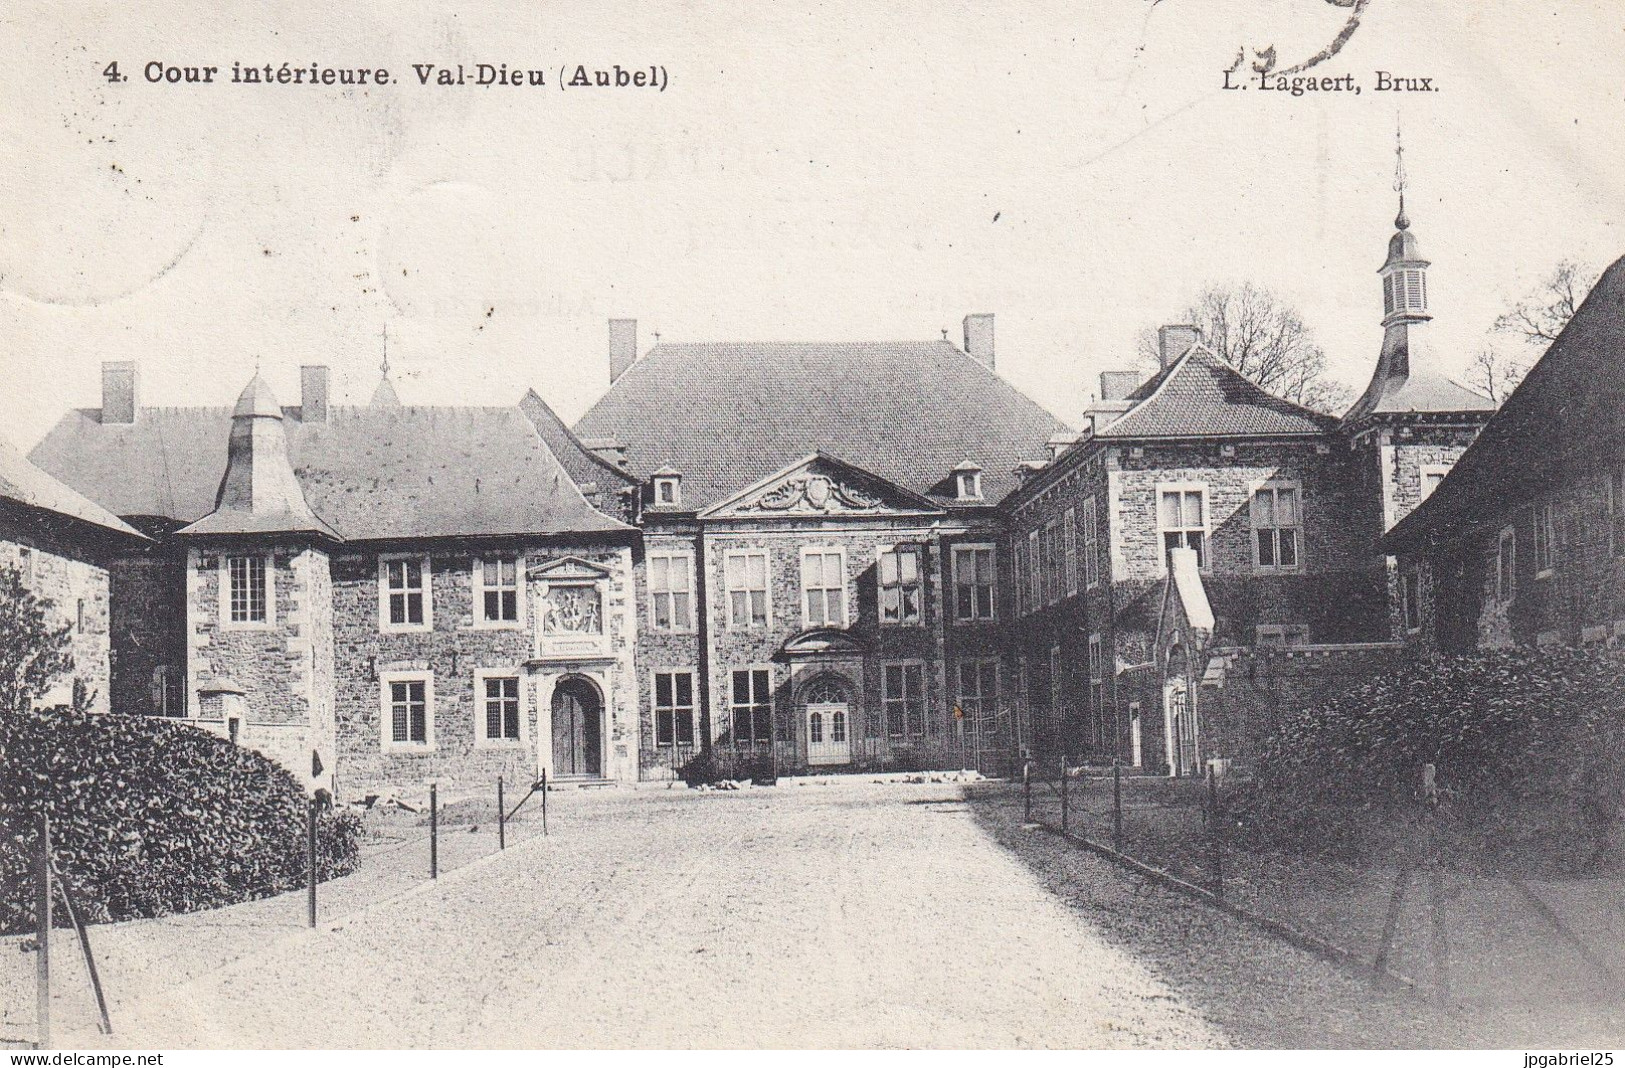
(1020, 564)
(1069, 527)
(671, 591)
(978, 702)
(1182, 519)
(752, 707)
(823, 587)
(974, 579)
(1035, 570)
(674, 707)
(1506, 566)
(1410, 600)
(901, 586)
(248, 590)
(746, 576)
(496, 589)
(1543, 539)
(1052, 561)
(970, 485)
(1097, 690)
(1277, 527)
(499, 695)
(1432, 475)
(668, 491)
(1281, 633)
(408, 710)
(903, 696)
(1091, 545)
(403, 594)
(1404, 291)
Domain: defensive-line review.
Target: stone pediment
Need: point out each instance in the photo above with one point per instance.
(822, 486)
(567, 569)
(824, 641)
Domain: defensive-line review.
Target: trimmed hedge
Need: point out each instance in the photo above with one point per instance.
(151, 817)
(1528, 746)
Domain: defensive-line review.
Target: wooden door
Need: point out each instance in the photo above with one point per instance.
(577, 730)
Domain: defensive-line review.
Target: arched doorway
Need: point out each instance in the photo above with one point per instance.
(578, 729)
(826, 702)
(1179, 718)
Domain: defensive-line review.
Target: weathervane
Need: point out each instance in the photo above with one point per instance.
(1400, 221)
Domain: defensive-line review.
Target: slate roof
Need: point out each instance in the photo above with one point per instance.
(23, 483)
(371, 473)
(1199, 395)
(726, 415)
(1569, 409)
(1404, 382)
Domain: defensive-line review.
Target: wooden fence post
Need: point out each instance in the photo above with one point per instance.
(42, 919)
(1117, 806)
(310, 862)
(434, 833)
(502, 818)
(1027, 791)
(105, 1024)
(1063, 793)
(1215, 829)
(544, 802)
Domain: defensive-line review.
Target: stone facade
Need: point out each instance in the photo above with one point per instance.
(58, 568)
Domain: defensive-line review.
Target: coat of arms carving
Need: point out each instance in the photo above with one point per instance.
(813, 494)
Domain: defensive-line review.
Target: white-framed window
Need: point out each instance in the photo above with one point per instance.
(1410, 599)
(671, 591)
(975, 580)
(1543, 539)
(751, 706)
(499, 719)
(1069, 554)
(1281, 633)
(1091, 545)
(823, 587)
(978, 696)
(900, 574)
(247, 591)
(668, 491)
(1019, 563)
(1035, 571)
(970, 485)
(902, 695)
(1431, 475)
(745, 573)
(674, 707)
(1506, 566)
(1052, 561)
(404, 598)
(1404, 290)
(496, 590)
(1182, 519)
(406, 710)
(1276, 513)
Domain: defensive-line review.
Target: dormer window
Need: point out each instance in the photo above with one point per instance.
(668, 488)
(968, 482)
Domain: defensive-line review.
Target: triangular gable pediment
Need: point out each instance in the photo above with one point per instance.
(822, 486)
(568, 568)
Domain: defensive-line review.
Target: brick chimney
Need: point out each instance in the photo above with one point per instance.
(1172, 341)
(119, 381)
(1117, 385)
(979, 337)
(313, 393)
(623, 346)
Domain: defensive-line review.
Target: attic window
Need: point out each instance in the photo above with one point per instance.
(668, 490)
(970, 485)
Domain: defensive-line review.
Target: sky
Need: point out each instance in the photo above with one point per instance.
(812, 171)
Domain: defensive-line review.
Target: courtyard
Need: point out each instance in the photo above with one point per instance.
(825, 912)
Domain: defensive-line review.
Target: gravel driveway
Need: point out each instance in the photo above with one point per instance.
(852, 914)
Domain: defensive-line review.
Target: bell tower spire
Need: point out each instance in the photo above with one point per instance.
(1404, 275)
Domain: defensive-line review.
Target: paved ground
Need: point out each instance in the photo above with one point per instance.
(840, 915)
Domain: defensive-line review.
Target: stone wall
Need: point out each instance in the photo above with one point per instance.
(75, 584)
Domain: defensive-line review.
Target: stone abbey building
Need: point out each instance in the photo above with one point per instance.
(768, 558)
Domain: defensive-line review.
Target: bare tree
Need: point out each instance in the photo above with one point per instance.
(1495, 374)
(1542, 315)
(1253, 331)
